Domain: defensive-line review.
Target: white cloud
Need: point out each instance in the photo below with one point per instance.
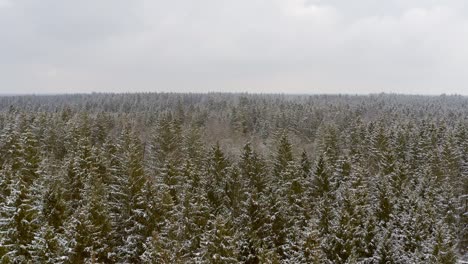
(304, 9)
(406, 53)
(5, 3)
(257, 45)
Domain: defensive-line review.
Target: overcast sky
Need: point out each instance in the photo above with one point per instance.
(286, 46)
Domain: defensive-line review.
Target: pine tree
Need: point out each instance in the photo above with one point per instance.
(216, 178)
(353, 232)
(21, 209)
(384, 202)
(252, 168)
(98, 220)
(157, 252)
(135, 178)
(234, 193)
(322, 183)
(78, 237)
(195, 212)
(54, 208)
(444, 249)
(20, 222)
(133, 217)
(385, 253)
(77, 169)
(311, 248)
(281, 225)
(165, 145)
(218, 243)
(306, 165)
(48, 246)
(255, 227)
(164, 245)
(283, 156)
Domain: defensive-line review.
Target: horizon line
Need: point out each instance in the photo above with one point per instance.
(231, 93)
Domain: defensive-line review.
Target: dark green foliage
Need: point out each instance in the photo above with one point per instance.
(305, 164)
(283, 157)
(322, 182)
(192, 178)
(54, 207)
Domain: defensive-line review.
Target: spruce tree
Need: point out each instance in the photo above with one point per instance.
(216, 178)
(219, 242)
(283, 156)
(132, 218)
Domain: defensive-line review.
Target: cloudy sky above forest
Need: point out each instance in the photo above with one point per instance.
(272, 46)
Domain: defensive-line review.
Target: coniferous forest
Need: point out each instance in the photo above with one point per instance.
(233, 178)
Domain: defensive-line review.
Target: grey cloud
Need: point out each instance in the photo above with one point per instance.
(298, 46)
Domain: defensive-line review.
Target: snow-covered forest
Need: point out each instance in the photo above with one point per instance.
(233, 178)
